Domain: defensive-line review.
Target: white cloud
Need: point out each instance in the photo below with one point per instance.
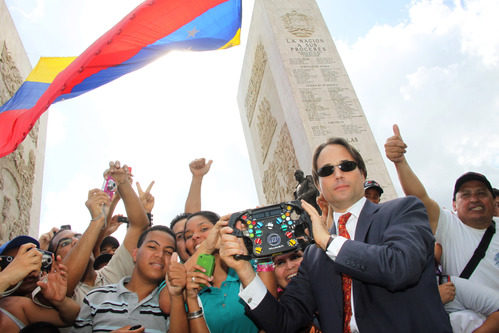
(437, 75)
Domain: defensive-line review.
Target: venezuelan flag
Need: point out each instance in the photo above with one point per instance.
(149, 31)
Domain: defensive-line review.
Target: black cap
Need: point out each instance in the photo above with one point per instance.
(472, 176)
(109, 240)
(102, 260)
(373, 183)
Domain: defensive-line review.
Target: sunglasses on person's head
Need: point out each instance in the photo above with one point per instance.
(344, 166)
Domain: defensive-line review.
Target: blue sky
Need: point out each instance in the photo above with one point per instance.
(430, 66)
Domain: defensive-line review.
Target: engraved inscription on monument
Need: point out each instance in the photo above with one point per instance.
(278, 180)
(297, 73)
(259, 63)
(266, 126)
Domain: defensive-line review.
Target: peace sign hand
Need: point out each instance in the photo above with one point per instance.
(146, 197)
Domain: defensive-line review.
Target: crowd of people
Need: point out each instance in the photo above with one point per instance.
(403, 265)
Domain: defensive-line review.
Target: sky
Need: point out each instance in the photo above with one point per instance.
(430, 66)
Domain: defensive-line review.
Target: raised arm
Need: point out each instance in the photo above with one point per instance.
(395, 149)
(137, 217)
(198, 168)
(77, 259)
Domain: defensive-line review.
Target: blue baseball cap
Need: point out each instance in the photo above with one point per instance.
(18, 241)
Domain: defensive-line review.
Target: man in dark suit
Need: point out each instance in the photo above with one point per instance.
(374, 273)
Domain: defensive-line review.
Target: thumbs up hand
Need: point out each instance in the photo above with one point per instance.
(395, 147)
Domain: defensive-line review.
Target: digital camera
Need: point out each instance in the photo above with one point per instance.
(109, 186)
(46, 260)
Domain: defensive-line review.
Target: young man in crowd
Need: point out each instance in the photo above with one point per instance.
(134, 301)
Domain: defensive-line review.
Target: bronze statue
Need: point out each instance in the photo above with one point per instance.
(306, 189)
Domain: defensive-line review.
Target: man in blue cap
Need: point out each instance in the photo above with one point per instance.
(29, 270)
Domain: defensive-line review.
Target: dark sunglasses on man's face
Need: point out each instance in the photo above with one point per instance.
(344, 166)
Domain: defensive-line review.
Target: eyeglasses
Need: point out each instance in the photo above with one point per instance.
(344, 166)
(66, 241)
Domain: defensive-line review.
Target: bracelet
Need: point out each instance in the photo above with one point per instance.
(267, 267)
(194, 315)
(98, 217)
(149, 216)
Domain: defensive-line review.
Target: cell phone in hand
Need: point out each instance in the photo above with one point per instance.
(207, 261)
(136, 327)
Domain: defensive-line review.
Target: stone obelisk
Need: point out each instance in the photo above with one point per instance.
(294, 94)
(21, 172)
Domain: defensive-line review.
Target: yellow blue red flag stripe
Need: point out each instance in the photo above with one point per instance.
(149, 31)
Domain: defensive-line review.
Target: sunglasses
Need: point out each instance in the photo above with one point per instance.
(344, 166)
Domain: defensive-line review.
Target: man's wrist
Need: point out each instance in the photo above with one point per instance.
(329, 241)
(246, 273)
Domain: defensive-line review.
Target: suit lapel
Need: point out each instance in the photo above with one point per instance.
(365, 220)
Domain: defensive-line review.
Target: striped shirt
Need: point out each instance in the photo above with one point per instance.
(113, 306)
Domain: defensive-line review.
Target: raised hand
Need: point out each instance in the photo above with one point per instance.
(146, 197)
(45, 239)
(97, 200)
(199, 167)
(319, 222)
(212, 242)
(176, 276)
(55, 283)
(112, 225)
(120, 174)
(395, 147)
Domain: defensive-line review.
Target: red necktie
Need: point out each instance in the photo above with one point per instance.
(347, 281)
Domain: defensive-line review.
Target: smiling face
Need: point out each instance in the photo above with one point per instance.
(152, 258)
(474, 204)
(340, 189)
(286, 267)
(197, 229)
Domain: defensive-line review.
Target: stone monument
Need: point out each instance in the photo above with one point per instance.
(21, 172)
(294, 94)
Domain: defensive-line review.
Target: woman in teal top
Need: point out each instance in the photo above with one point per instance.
(222, 308)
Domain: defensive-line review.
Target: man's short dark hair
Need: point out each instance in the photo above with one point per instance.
(156, 228)
(179, 218)
(495, 192)
(109, 240)
(342, 142)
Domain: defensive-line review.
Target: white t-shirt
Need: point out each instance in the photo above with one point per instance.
(459, 242)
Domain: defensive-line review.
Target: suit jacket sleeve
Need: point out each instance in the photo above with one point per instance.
(392, 247)
(293, 311)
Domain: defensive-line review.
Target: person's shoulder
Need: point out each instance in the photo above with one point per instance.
(407, 201)
(103, 290)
